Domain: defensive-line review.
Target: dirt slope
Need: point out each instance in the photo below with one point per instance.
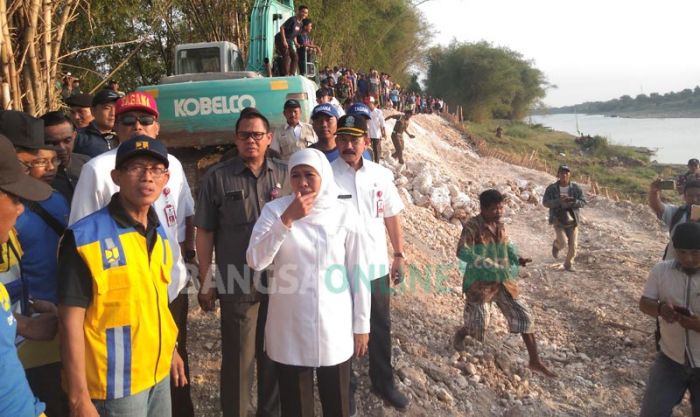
(589, 328)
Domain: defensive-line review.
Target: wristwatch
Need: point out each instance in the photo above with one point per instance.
(398, 255)
(190, 255)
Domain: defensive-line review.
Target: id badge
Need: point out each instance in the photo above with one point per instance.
(379, 204)
(170, 216)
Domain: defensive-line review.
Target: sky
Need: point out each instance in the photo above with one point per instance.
(591, 50)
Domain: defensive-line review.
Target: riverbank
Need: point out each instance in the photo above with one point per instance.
(621, 171)
(641, 114)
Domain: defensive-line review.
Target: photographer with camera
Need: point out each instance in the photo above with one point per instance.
(564, 199)
(670, 296)
(673, 215)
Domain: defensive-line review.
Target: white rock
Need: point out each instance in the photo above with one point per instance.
(440, 198)
(423, 182)
(444, 396)
(461, 200)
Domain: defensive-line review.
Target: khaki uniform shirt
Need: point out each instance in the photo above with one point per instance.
(286, 142)
(229, 203)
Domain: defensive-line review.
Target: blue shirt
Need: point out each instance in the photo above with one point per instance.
(16, 398)
(40, 244)
(335, 154)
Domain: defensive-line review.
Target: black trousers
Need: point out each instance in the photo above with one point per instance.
(381, 373)
(297, 389)
(242, 341)
(181, 398)
(376, 149)
(45, 382)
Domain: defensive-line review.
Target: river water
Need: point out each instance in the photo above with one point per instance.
(676, 140)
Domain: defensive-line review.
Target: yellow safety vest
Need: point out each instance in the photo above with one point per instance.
(129, 331)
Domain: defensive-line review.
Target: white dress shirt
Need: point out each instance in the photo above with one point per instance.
(376, 123)
(668, 283)
(94, 191)
(375, 197)
(287, 139)
(314, 306)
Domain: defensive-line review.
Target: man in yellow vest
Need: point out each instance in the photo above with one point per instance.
(117, 333)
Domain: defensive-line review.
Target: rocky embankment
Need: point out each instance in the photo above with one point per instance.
(588, 325)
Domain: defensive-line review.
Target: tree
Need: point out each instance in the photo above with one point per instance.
(390, 35)
(32, 35)
(414, 85)
(486, 81)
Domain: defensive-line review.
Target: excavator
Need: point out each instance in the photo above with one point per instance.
(200, 103)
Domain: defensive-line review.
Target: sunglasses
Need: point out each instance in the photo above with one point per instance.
(131, 120)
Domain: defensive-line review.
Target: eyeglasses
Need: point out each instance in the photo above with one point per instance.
(257, 136)
(131, 120)
(138, 170)
(41, 162)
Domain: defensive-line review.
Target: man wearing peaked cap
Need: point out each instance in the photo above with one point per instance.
(378, 204)
(98, 137)
(39, 229)
(295, 134)
(80, 113)
(121, 358)
(137, 114)
(18, 399)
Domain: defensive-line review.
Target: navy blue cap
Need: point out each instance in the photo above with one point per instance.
(141, 145)
(353, 125)
(564, 168)
(325, 108)
(105, 96)
(291, 104)
(360, 109)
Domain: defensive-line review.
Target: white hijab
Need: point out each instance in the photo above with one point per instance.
(327, 196)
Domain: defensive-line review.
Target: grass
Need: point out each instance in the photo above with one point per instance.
(626, 170)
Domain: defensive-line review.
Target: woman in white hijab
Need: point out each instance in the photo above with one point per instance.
(319, 306)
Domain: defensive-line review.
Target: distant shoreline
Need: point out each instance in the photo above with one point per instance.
(633, 115)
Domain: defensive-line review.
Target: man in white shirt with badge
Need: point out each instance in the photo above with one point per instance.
(379, 205)
(295, 135)
(137, 114)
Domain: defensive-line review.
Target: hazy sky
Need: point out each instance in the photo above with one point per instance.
(591, 50)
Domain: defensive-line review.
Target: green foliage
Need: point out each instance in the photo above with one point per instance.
(685, 102)
(414, 85)
(389, 35)
(625, 169)
(487, 81)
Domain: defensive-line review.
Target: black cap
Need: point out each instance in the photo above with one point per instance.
(564, 168)
(22, 129)
(80, 100)
(105, 96)
(321, 92)
(13, 180)
(141, 145)
(693, 161)
(686, 236)
(352, 124)
(291, 104)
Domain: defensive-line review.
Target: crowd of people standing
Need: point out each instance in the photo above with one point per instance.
(298, 238)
